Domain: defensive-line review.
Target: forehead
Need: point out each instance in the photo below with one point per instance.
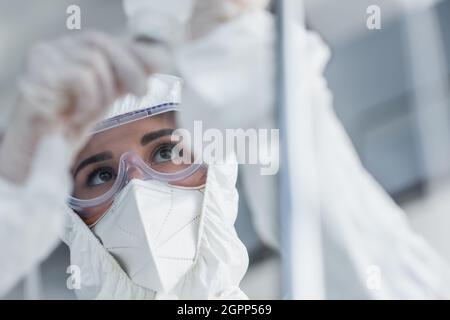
(126, 135)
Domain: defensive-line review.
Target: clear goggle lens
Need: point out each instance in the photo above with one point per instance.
(163, 159)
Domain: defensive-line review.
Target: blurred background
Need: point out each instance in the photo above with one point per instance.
(391, 91)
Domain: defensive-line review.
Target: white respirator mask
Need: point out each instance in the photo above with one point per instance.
(159, 241)
(152, 230)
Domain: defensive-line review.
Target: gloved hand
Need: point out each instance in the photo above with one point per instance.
(209, 14)
(174, 21)
(66, 87)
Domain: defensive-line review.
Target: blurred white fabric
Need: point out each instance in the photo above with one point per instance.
(31, 215)
(365, 234)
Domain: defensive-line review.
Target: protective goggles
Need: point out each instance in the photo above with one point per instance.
(153, 160)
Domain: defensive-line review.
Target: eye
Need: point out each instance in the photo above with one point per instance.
(163, 153)
(100, 176)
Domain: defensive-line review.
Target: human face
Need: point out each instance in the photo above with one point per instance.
(96, 166)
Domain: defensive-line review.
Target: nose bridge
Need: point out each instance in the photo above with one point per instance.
(133, 168)
(135, 173)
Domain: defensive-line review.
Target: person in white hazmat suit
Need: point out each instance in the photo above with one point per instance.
(65, 89)
(224, 52)
(138, 225)
(357, 218)
(144, 226)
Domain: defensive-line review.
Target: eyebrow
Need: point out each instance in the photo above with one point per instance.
(107, 155)
(148, 137)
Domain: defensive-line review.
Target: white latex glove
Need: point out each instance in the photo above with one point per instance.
(67, 86)
(208, 14)
(173, 21)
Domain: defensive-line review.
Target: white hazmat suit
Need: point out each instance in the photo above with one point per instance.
(229, 76)
(221, 259)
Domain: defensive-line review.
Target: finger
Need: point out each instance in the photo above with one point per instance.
(43, 60)
(129, 72)
(156, 58)
(82, 87)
